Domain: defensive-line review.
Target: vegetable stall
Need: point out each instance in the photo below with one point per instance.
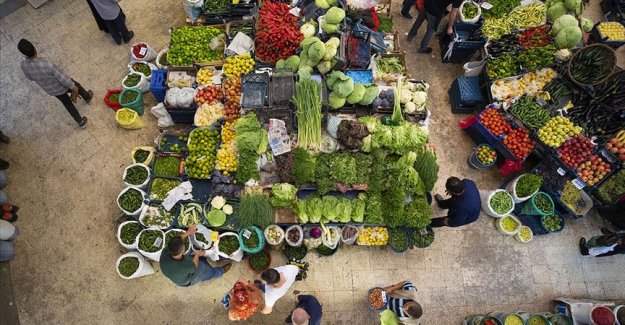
(313, 139)
(551, 110)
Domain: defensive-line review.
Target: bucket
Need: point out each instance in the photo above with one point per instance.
(601, 315)
(619, 312)
(539, 317)
(112, 104)
(530, 207)
(503, 316)
(249, 262)
(245, 233)
(137, 104)
(559, 319)
(475, 162)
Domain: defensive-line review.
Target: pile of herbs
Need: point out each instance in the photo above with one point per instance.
(128, 266)
(252, 241)
(297, 253)
(136, 175)
(157, 216)
(345, 168)
(141, 155)
(260, 261)
(114, 98)
(132, 80)
(398, 239)
(131, 200)
(255, 210)
(167, 166)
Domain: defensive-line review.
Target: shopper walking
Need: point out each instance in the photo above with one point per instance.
(277, 282)
(464, 204)
(184, 270)
(113, 17)
(243, 300)
(56, 83)
(433, 11)
(608, 244)
(307, 311)
(402, 301)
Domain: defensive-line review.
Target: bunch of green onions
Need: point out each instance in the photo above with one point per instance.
(307, 100)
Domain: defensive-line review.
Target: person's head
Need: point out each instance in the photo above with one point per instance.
(175, 246)
(454, 186)
(27, 48)
(270, 276)
(299, 316)
(413, 309)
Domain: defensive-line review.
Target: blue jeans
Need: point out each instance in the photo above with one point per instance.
(432, 22)
(205, 272)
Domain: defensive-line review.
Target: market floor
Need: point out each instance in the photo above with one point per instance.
(66, 180)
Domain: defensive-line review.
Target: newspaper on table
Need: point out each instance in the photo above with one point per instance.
(279, 139)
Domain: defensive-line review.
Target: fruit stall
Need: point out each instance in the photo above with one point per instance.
(304, 133)
(550, 102)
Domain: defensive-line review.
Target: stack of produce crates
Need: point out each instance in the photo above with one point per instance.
(465, 95)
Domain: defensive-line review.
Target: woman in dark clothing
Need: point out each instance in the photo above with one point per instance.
(113, 17)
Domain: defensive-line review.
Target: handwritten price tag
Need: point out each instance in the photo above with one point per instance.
(247, 234)
(423, 232)
(143, 51)
(158, 242)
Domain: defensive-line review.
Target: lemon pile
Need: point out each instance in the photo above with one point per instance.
(529, 83)
(373, 236)
(237, 65)
(612, 30)
(205, 77)
(227, 154)
(557, 130)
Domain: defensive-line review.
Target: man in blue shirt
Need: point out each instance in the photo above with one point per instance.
(464, 205)
(307, 311)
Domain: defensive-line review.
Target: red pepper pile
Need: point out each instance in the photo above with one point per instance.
(494, 122)
(136, 50)
(535, 37)
(519, 143)
(277, 32)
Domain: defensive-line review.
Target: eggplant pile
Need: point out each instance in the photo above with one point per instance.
(508, 43)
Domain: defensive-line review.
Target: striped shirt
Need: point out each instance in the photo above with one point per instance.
(47, 75)
(396, 305)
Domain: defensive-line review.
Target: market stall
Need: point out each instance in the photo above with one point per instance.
(303, 132)
(552, 114)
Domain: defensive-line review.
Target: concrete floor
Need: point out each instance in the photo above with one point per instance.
(66, 180)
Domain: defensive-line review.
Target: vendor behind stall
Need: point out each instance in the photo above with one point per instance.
(464, 205)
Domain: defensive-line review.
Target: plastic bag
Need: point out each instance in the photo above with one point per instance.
(128, 119)
(470, 20)
(160, 112)
(145, 182)
(155, 256)
(171, 97)
(184, 98)
(193, 8)
(144, 267)
(130, 213)
(8, 231)
(150, 65)
(280, 232)
(143, 85)
(485, 198)
(467, 122)
(331, 236)
(298, 229)
(208, 235)
(147, 160)
(473, 68)
(218, 42)
(132, 246)
(158, 59)
(349, 240)
(145, 53)
(236, 255)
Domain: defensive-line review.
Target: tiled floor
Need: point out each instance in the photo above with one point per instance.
(66, 180)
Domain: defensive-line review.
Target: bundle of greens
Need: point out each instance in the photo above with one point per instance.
(255, 210)
(303, 166)
(307, 101)
(251, 141)
(426, 166)
(344, 168)
(331, 209)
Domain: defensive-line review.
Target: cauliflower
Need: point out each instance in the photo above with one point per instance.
(218, 202)
(420, 98)
(406, 96)
(563, 54)
(410, 107)
(410, 86)
(227, 209)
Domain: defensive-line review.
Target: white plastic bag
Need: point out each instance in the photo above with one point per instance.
(184, 97)
(511, 188)
(8, 231)
(331, 236)
(193, 8)
(142, 185)
(143, 85)
(144, 266)
(207, 234)
(486, 196)
(160, 112)
(131, 213)
(148, 208)
(133, 245)
(349, 240)
(280, 232)
(296, 228)
(158, 59)
(171, 97)
(180, 231)
(471, 20)
(155, 256)
(236, 255)
(148, 160)
(150, 65)
(146, 54)
(473, 68)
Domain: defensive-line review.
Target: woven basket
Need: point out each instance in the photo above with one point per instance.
(610, 62)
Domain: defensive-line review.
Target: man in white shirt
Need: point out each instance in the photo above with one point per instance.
(277, 283)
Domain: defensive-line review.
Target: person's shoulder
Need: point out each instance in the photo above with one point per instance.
(286, 268)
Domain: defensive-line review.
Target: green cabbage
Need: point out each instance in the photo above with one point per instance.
(325, 66)
(333, 42)
(563, 22)
(292, 63)
(343, 87)
(334, 76)
(306, 42)
(568, 37)
(304, 72)
(328, 28)
(308, 29)
(316, 51)
(330, 52)
(280, 64)
(556, 11)
(587, 25)
(336, 101)
(572, 4)
(323, 4)
(334, 15)
(370, 95)
(357, 94)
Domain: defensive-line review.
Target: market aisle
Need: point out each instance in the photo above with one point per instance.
(66, 181)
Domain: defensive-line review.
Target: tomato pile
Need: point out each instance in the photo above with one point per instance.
(232, 89)
(277, 32)
(494, 122)
(375, 298)
(574, 151)
(519, 143)
(208, 95)
(593, 170)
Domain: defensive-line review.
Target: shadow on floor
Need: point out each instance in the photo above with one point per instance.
(8, 307)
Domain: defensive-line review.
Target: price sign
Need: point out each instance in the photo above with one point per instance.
(579, 184)
(383, 295)
(423, 232)
(158, 242)
(143, 51)
(561, 171)
(486, 5)
(214, 236)
(247, 234)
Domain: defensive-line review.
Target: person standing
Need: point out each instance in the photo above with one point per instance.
(277, 283)
(56, 83)
(3, 163)
(307, 311)
(184, 270)
(113, 17)
(402, 301)
(433, 11)
(464, 205)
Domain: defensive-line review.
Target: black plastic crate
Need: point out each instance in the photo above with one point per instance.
(254, 90)
(282, 88)
(285, 115)
(182, 115)
(456, 104)
(596, 36)
(202, 189)
(534, 223)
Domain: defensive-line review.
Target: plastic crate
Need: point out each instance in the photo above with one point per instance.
(360, 76)
(534, 223)
(358, 50)
(456, 105)
(202, 189)
(158, 85)
(503, 150)
(377, 39)
(182, 115)
(282, 88)
(254, 90)
(596, 36)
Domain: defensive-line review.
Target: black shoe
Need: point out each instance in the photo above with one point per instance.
(4, 138)
(406, 15)
(582, 247)
(118, 42)
(426, 51)
(131, 35)
(4, 164)
(83, 124)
